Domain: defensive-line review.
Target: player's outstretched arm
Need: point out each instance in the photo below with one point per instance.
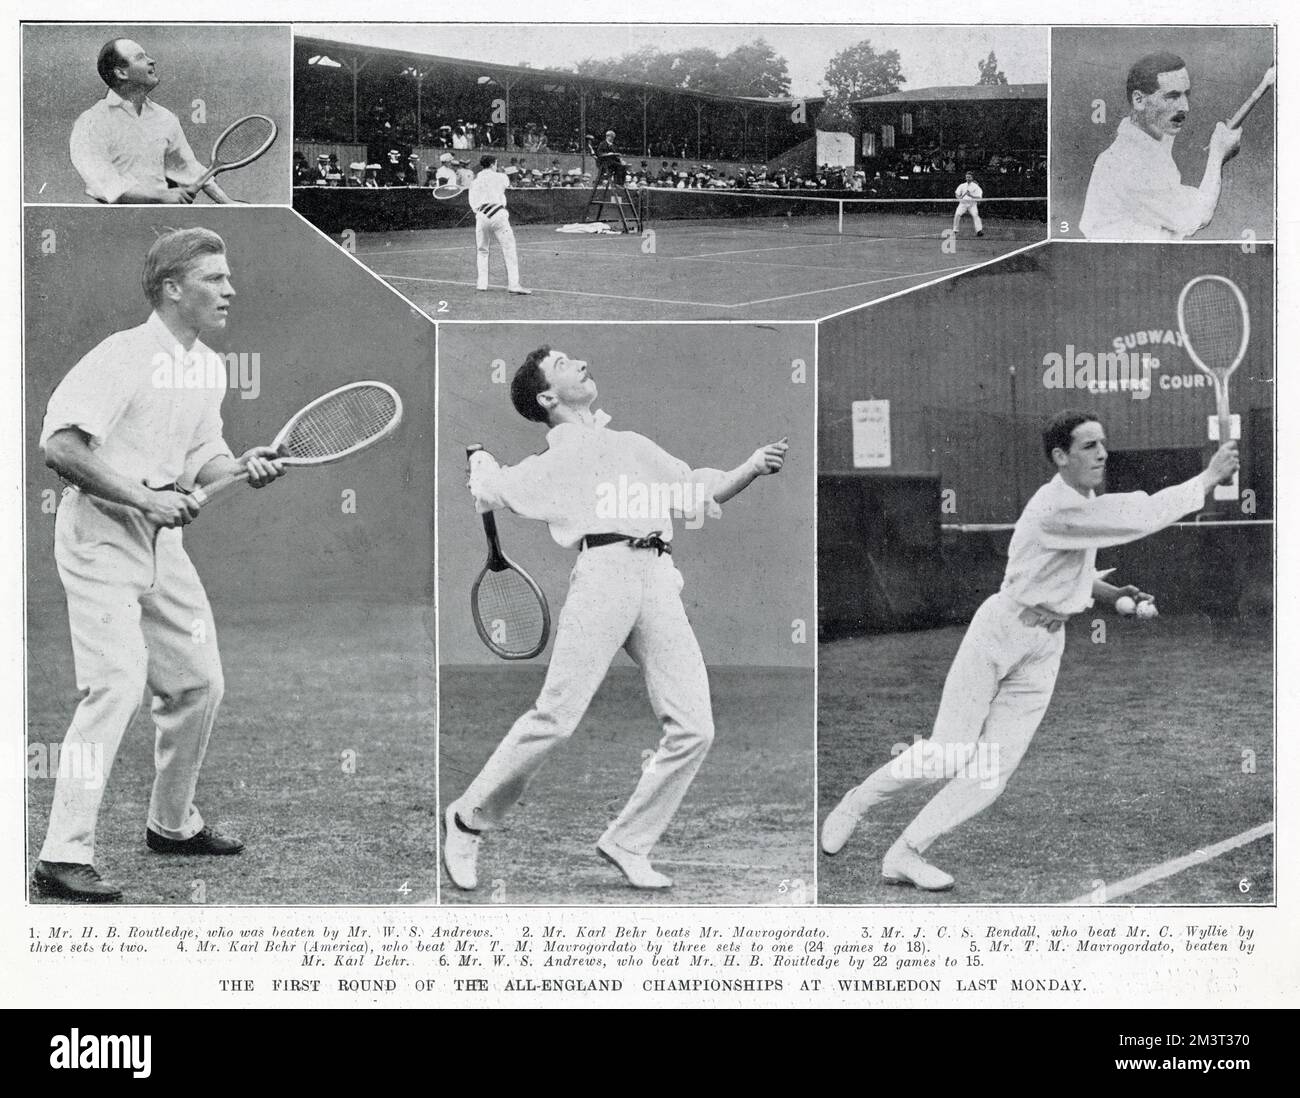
(1223, 146)
(1222, 467)
(763, 462)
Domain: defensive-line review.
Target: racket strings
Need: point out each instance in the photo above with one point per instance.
(245, 139)
(510, 612)
(340, 422)
(1213, 324)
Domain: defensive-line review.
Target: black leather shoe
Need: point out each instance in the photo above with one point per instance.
(74, 881)
(206, 841)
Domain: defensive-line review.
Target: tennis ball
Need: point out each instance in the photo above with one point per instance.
(1146, 609)
(1125, 605)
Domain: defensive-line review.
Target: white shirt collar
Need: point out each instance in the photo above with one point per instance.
(1134, 134)
(115, 100)
(600, 419)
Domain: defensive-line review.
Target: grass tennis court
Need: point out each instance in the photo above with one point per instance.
(770, 268)
(742, 836)
(322, 761)
(1144, 757)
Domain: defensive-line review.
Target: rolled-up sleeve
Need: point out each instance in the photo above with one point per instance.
(93, 159)
(1119, 517)
(92, 398)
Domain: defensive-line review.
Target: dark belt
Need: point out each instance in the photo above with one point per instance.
(650, 541)
(490, 209)
(1035, 616)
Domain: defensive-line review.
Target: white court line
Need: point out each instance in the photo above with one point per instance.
(718, 865)
(850, 286)
(570, 293)
(1176, 865)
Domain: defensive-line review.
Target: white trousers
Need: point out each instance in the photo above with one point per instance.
(496, 227)
(972, 208)
(139, 617)
(995, 695)
(619, 597)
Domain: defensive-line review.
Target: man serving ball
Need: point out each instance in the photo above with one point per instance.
(1001, 680)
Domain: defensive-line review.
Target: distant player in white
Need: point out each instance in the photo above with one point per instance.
(968, 197)
(625, 592)
(1136, 191)
(1002, 677)
(487, 198)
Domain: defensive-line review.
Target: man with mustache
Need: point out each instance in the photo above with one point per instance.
(129, 149)
(1001, 680)
(1136, 191)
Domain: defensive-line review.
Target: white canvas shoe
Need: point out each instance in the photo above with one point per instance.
(903, 865)
(635, 867)
(459, 851)
(839, 825)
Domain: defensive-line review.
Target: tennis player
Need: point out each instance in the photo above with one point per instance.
(127, 148)
(624, 592)
(969, 194)
(487, 198)
(1136, 191)
(133, 437)
(1002, 678)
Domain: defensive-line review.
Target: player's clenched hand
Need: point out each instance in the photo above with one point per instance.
(770, 458)
(170, 509)
(1223, 465)
(1224, 142)
(263, 465)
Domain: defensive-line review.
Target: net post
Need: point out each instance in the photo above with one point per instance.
(840, 227)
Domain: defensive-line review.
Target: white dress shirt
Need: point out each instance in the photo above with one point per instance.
(1136, 191)
(488, 189)
(114, 148)
(970, 192)
(592, 480)
(144, 417)
(1051, 562)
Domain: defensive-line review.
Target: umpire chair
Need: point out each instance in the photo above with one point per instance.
(611, 190)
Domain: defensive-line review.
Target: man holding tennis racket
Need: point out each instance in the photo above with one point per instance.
(1002, 678)
(1136, 191)
(133, 441)
(126, 147)
(624, 592)
(487, 198)
(969, 194)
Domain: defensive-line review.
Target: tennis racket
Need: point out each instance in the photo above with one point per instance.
(447, 190)
(1215, 324)
(330, 428)
(509, 609)
(1270, 78)
(240, 143)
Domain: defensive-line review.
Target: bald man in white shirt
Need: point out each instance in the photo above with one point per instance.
(133, 428)
(487, 198)
(1001, 680)
(625, 592)
(1136, 191)
(127, 147)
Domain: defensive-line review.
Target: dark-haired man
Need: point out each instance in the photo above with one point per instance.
(624, 592)
(129, 149)
(133, 428)
(487, 198)
(1136, 191)
(1002, 677)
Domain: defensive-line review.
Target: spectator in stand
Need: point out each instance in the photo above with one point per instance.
(464, 174)
(459, 135)
(302, 173)
(356, 174)
(372, 176)
(333, 171)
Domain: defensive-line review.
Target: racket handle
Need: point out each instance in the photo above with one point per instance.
(203, 496)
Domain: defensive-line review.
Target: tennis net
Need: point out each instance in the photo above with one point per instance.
(1016, 219)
